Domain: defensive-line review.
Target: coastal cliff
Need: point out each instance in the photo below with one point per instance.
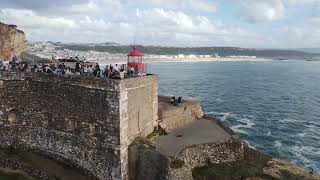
(12, 41)
(45, 136)
(202, 148)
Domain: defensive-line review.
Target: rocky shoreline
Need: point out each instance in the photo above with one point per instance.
(222, 159)
(251, 165)
(185, 145)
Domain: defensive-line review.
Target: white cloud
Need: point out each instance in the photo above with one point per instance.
(150, 26)
(196, 5)
(29, 19)
(304, 2)
(162, 22)
(184, 30)
(88, 7)
(261, 10)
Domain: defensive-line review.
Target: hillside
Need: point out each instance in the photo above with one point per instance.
(222, 51)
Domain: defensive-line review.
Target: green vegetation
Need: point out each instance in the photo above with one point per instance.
(13, 176)
(157, 132)
(251, 166)
(148, 142)
(143, 143)
(176, 163)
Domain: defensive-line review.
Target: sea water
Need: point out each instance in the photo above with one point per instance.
(273, 105)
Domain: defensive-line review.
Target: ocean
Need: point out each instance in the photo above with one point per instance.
(273, 105)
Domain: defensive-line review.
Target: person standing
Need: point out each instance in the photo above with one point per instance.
(97, 70)
(106, 72)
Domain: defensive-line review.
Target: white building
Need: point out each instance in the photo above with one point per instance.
(181, 56)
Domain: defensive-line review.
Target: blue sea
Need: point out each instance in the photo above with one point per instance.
(273, 105)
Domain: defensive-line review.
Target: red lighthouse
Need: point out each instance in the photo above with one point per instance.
(135, 60)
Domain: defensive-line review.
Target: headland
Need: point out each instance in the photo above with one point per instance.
(78, 127)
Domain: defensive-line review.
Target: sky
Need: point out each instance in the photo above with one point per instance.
(240, 23)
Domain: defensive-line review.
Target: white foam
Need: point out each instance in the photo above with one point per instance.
(288, 120)
(269, 133)
(225, 116)
(302, 134)
(300, 152)
(277, 144)
(221, 115)
(247, 124)
(247, 142)
(312, 128)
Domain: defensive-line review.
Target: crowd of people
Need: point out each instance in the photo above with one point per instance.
(13, 65)
(117, 71)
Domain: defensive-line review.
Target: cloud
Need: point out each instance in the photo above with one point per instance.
(184, 30)
(39, 5)
(156, 26)
(194, 5)
(171, 23)
(311, 6)
(261, 10)
(88, 7)
(304, 2)
(29, 19)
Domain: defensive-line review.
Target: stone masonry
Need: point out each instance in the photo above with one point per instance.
(86, 121)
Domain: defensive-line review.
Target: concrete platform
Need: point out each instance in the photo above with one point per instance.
(202, 131)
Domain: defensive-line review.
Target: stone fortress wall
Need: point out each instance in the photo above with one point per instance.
(86, 121)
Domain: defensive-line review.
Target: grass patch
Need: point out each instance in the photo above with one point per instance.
(157, 132)
(176, 163)
(13, 176)
(251, 166)
(143, 143)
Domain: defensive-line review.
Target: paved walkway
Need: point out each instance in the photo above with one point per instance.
(199, 132)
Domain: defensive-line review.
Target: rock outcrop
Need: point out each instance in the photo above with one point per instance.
(196, 147)
(174, 117)
(12, 41)
(254, 166)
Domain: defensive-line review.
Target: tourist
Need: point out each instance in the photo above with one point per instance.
(48, 70)
(136, 71)
(77, 67)
(85, 70)
(13, 64)
(90, 70)
(106, 72)
(2, 66)
(34, 68)
(68, 71)
(81, 69)
(116, 68)
(173, 100)
(122, 68)
(115, 75)
(119, 71)
(63, 69)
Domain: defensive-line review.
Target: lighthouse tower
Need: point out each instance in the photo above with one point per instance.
(135, 60)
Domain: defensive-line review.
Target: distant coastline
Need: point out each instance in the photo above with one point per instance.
(207, 59)
(157, 60)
